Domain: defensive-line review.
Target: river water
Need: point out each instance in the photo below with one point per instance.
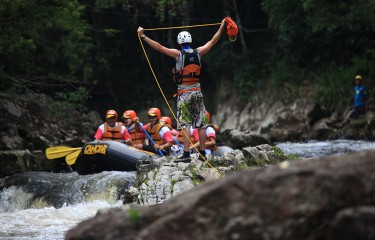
(325, 148)
(42, 205)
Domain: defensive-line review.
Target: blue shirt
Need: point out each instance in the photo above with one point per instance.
(360, 93)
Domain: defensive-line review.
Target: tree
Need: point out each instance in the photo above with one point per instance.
(43, 44)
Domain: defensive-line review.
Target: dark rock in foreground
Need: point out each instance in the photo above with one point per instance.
(327, 198)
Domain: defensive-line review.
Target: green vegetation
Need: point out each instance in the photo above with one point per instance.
(196, 179)
(173, 182)
(87, 52)
(333, 88)
(141, 179)
(133, 215)
(276, 157)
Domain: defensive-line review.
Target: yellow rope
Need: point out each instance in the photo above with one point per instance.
(161, 90)
(191, 26)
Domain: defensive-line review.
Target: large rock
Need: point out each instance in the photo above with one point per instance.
(316, 199)
(239, 139)
(33, 122)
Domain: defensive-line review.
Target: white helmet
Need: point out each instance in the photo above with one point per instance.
(184, 37)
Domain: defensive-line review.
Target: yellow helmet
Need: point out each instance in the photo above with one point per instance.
(358, 77)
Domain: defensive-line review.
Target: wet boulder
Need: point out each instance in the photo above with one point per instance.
(313, 199)
(237, 139)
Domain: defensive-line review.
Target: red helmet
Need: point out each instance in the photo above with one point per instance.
(129, 114)
(111, 113)
(208, 117)
(166, 120)
(154, 112)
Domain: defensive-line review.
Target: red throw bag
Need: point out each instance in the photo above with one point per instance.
(232, 29)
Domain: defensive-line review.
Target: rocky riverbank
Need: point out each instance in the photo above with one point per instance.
(31, 123)
(294, 120)
(162, 179)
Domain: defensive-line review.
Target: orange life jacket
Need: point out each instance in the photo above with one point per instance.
(136, 137)
(154, 133)
(113, 133)
(181, 135)
(191, 69)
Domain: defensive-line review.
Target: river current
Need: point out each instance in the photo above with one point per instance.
(41, 205)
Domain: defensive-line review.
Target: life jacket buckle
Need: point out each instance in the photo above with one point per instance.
(177, 76)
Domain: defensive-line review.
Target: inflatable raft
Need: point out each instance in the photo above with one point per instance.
(98, 156)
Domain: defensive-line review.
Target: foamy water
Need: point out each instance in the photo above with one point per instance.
(28, 201)
(47, 223)
(325, 148)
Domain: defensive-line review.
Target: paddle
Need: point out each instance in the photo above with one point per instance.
(149, 137)
(59, 151)
(71, 158)
(176, 141)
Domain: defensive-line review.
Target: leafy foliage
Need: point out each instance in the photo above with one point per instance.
(43, 44)
(88, 52)
(334, 88)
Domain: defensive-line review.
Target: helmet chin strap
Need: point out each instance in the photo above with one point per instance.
(186, 47)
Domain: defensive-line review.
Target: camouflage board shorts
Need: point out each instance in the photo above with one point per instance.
(191, 110)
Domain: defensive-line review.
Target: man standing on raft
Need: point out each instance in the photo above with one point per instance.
(190, 105)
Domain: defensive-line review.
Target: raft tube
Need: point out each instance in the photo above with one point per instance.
(98, 156)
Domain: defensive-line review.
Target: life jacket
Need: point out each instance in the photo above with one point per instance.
(136, 137)
(154, 133)
(181, 135)
(113, 133)
(190, 72)
(216, 128)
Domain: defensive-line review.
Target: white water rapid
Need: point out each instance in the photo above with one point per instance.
(46, 205)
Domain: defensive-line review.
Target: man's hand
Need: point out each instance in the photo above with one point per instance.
(158, 147)
(140, 31)
(223, 22)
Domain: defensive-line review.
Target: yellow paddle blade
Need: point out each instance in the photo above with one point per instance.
(59, 151)
(71, 158)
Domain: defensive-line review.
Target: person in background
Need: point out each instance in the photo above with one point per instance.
(360, 97)
(187, 76)
(138, 138)
(160, 134)
(168, 121)
(177, 148)
(112, 130)
(210, 136)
